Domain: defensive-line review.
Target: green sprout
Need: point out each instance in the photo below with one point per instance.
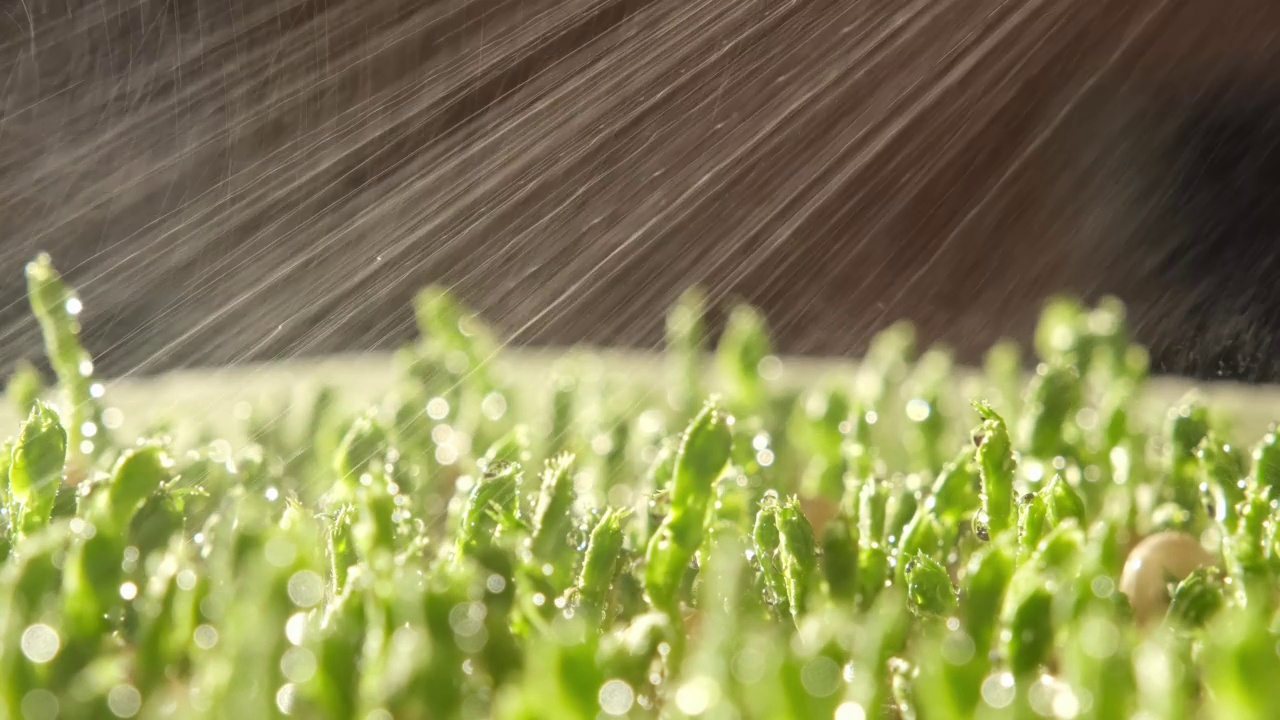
(814, 544)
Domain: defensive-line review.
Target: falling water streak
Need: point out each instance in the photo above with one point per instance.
(1143, 29)
(232, 181)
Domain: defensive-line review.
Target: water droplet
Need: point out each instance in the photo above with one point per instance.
(465, 618)
(280, 551)
(446, 455)
(88, 429)
(997, 690)
(616, 697)
(697, 695)
(285, 697)
(601, 444)
(494, 406)
(620, 496)
(74, 306)
(918, 410)
(1046, 697)
(295, 628)
(96, 390)
(128, 591)
(820, 676)
(850, 711)
(1099, 638)
(40, 643)
(124, 701)
(205, 637)
(1065, 705)
(298, 664)
(1102, 586)
(495, 584)
(306, 588)
(980, 529)
(770, 367)
(437, 408)
(39, 705)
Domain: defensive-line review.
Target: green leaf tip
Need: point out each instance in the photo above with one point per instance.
(36, 467)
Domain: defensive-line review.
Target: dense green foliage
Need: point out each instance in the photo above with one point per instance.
(574, 547)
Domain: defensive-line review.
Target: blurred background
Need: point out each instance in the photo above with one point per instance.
(231, 181)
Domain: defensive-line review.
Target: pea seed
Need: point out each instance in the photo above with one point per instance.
(1156, 562)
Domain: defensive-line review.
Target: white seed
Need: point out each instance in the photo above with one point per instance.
(1150, 565)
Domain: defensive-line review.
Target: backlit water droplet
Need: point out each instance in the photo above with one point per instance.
(998, 690)
(306, 588)
(295, 628)
(850, 711)
(918, 410)
(205, 637)
(40, 643)
(285, 697)
(298, 664)
(39, 704)
(186, 579)
(616, 697)
(124, 701)
(437, 408)
(494, 406)
(697, 695)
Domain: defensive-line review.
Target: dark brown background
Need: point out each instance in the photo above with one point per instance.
(231, 180)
